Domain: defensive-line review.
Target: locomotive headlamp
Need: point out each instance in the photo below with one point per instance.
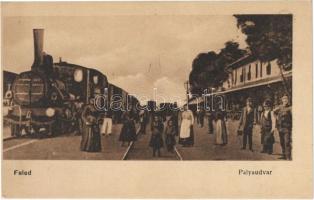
(50, 112)
(8, 94)
(78, 75)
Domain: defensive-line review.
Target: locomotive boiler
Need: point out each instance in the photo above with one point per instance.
(44, 98)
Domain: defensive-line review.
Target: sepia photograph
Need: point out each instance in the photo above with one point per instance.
(149, 82)
(182, 93)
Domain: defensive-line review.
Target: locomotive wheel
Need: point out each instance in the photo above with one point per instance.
(56, 127)
(51, 130)
(36, 131)
(27, 130)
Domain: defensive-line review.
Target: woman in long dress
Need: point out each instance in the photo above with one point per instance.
(186, 137)
(91, 140)
(220, 129)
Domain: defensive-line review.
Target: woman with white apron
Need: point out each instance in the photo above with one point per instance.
(186, 137)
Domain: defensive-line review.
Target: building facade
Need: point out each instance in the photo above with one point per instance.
(249, 77)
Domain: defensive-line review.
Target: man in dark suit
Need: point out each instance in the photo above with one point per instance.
(247, 120)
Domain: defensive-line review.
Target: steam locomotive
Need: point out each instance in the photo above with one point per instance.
(46, 98)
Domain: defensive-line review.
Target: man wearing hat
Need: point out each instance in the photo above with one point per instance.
(284, 126)
(247, 120)
(268, 123)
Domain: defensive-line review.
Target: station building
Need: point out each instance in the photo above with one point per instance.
(250, 77)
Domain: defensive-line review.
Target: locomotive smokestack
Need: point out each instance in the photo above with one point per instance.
(38, 47)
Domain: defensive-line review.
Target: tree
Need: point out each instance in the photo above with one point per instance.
(231, 52)
(269, 37)
(204, 69)
(208, 69)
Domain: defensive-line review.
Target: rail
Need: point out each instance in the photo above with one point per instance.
(178, 153)
(125, 156)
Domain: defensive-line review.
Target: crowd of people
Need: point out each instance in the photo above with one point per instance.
(178, 127)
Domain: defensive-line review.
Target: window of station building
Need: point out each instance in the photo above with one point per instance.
(261, 70)
(256, 70)
(235, 77)
(268, 69)
(249, 73)
(241, 76)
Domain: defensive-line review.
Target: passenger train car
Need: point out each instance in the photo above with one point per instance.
(47, 98)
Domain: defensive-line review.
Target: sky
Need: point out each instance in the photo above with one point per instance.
(136, 52)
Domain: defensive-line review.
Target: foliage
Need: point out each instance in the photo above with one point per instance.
(208, 69)
(268, 36)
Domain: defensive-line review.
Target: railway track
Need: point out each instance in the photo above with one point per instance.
(178, 154)
(125, 155)
(143, 152)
